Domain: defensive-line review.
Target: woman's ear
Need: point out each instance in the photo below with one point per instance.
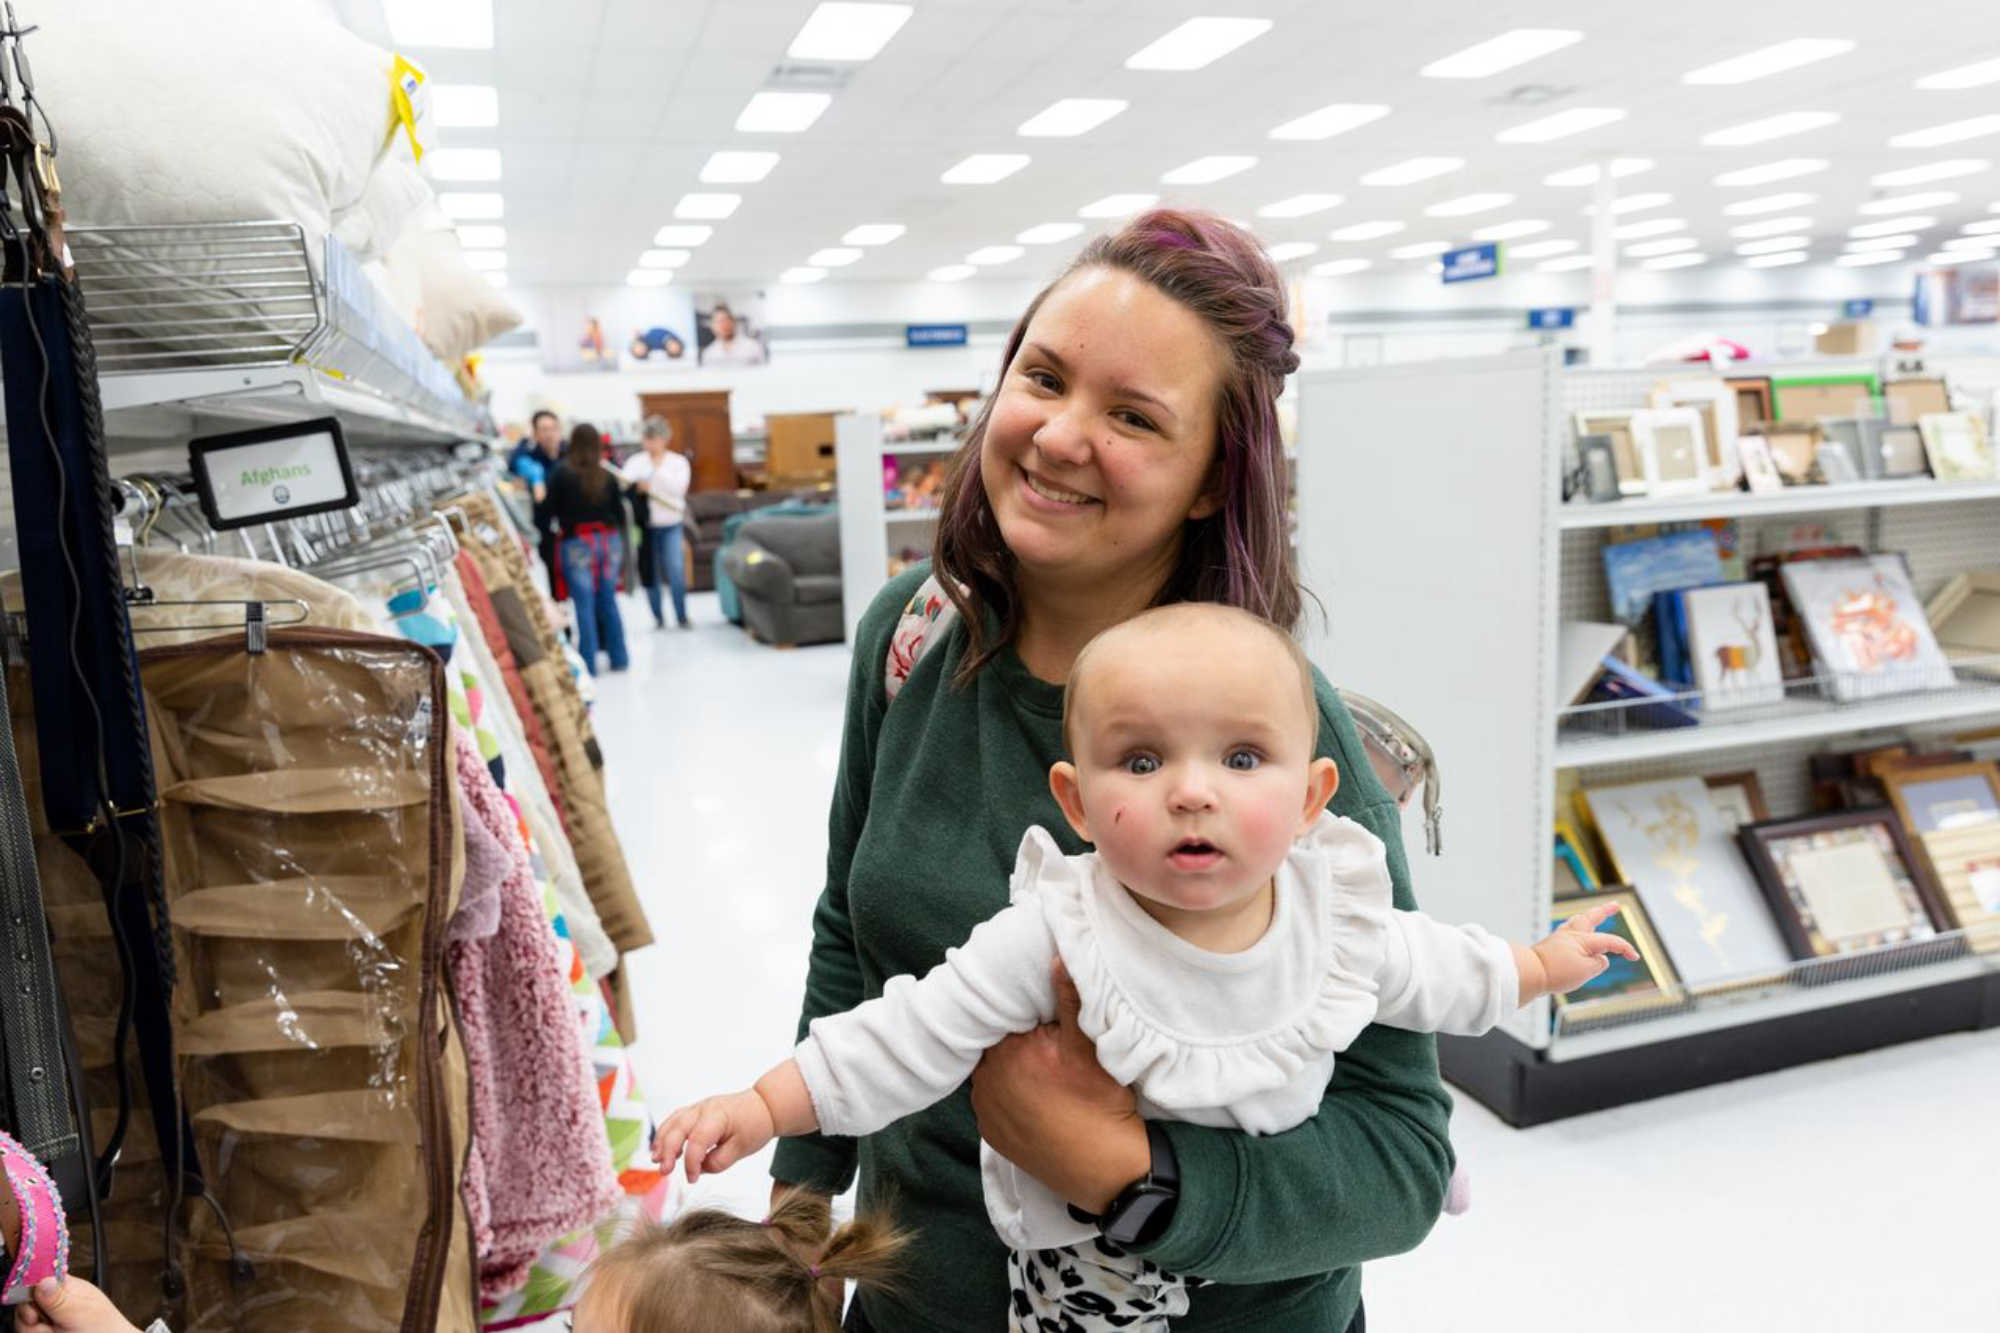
(1209, 502)
(1063, 786)
(1322, 781)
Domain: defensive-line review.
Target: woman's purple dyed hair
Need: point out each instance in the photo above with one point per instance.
(1242, 554)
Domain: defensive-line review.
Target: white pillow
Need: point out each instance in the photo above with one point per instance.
(457, 310)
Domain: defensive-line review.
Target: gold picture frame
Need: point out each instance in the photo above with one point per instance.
(1624, 987)
(1952, 815)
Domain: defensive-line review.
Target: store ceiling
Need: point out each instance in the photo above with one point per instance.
(608, 110)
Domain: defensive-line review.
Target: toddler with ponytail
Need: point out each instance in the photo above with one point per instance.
(712, 1272)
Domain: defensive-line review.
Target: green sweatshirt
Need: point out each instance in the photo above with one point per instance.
(930, 802)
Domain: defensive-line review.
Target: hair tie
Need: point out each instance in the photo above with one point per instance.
(813, 1269)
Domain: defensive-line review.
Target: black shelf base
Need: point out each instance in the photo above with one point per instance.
(1517, 1084)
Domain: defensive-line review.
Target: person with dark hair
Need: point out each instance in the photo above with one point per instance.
(1129, 457)
(588, 508)
(532, 460)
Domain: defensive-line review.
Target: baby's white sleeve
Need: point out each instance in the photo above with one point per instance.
(915, 1043)
(1439, 978)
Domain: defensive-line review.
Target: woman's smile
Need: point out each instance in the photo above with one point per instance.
(1047, 497)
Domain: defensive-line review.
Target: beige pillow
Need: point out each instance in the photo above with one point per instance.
(457, 310)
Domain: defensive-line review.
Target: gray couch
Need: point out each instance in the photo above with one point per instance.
(786, 569)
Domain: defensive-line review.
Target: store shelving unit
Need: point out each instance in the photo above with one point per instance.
(1432, 529)
(870, 532)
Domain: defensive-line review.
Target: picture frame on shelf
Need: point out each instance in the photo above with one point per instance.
(1738, 798)
(1733, 646)
(1952, 815)
(1601, 480)
(1760, 470)
(1836, 465)
(1861, 437)
(1795, 450)
(1804, 400)
(1841, 882)
(1624, 986)
(1903, 456)
(1617, 426)
(1965, 615)
(1715, 401)
(1867, 629)
(1634, 571)
(1957, 447)
(1908, 401)
(1753, 400)
(1574, 873)
(1672, 450)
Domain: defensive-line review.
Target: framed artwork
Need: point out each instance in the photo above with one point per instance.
(1733, 646)
(1665, 839)
(1624, 986)
(1945, 798)
(1903, 453)
(1716, 403)
(1908, 401)
(1618, 426)
(1966, 615)
(1840, 882)
(1753, 401)
(1574, 873)
(1866, 626)
(1738, 798)
(1861, 438)
(1836, 465)
(1601, 481)
(1635, 570)
(1671, 450)
(1795, 451)
(1805, 401)
(1957, 446)
(1760, 472)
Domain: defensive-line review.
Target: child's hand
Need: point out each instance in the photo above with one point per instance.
(717, 1133)
(1576, 953)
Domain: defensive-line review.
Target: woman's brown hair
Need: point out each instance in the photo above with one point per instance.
(586, 455)
(1242, 554)
(713, 1272)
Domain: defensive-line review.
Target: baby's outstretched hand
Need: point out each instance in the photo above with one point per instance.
(716, 1133)
(1577, 952)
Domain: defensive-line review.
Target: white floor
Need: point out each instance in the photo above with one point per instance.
(1858, 1194)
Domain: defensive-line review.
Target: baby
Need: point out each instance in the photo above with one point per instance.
(1228, 937)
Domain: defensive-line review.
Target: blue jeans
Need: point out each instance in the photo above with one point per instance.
(669, 568)
(590, 567)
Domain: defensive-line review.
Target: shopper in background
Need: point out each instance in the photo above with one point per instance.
(589, 513)
(659, 476)
(1128, 457)
(532, 461)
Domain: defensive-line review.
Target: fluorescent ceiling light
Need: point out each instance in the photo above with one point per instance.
(1330, 120)
(1414, 170)
(1198, 42)
(1633, 231)
(465, 25)
(1770, 60)
(714, 207)
(847, 31)
(1892, 225)
(1208, 170)
(1118, 206)
(1631, 203)
(1467, 204)
(1048, 233)
(1955, 132)
(1290, 250)
(1961, 256)
(1299, 205)
(664, 258)
(649, 277)
(834, 257)
(1567, 264)
(1540, 249)
(1903, 203)
(1965, 76)
(486, 259)
(1772, 171)
(1673, 245)
(985, 168)
(1503, 52)
(495, 279)
(465, 105)
(737, 168)
(1903, 242)
(682, 234)
(1772, 227)
(1871, 257)
(1621, 167)
(782, 113)
(951, 273)
(1984, 227)
(1334, 268)
(1776, 261)
(482, 237)
(802, 274)
(874, 233)
(1576, 120)
(995, 254)
(1770, 203)
(1507, 231)
(1769, 128)
(1364, 231)
(1420, 250)
(475, 206)
(1970, 242)
(1772, 245)
(463, 164)
(1931, 171)
(1070, 117)
(1675, 261)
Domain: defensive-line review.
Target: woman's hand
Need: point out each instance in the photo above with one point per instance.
(1046, 1105)
(71, 1306)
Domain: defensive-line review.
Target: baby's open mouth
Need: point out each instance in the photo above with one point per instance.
(1194, 854)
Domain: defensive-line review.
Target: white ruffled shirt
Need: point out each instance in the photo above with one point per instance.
(1242, 1041)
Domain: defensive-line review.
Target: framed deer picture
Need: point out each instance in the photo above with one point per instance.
(1733, 646)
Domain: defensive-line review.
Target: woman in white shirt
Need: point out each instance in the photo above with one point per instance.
(660, 475)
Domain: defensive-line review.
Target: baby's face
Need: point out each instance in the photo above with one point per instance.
(1193, 747)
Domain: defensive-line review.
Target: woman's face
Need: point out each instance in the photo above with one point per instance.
(1103, 432)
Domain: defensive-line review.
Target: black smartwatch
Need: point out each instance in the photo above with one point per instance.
(1143, 1209)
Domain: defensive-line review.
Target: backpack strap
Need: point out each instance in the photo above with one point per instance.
(927, 617)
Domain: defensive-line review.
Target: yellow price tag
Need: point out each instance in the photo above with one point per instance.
(404, 81)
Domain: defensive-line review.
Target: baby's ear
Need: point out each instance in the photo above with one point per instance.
(1322, 781)
(1069, 795)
